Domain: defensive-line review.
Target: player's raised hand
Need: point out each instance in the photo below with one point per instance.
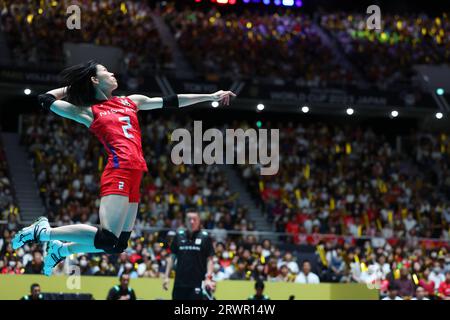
(223, 97)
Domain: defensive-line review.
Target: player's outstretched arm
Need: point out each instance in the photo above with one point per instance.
(223, 97)
(51, 100)
(180, 100)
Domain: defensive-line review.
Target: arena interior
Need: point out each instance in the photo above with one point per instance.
(360, 201)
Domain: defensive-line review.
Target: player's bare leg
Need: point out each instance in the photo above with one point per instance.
(128, 225)
(88, 239)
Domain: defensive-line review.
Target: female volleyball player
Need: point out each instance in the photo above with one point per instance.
(113, 120)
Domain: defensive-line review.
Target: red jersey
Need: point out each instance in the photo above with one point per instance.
(117, 127)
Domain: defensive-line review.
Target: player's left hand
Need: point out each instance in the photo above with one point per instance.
(223, 97)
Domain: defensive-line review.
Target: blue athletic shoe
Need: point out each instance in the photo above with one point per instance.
(52, 256)
(31, 233)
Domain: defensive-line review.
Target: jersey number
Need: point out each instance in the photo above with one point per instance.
(126, 127)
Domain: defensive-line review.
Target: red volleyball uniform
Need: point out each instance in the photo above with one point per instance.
(116, 125)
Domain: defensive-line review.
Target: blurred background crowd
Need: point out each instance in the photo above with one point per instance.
(36, 32)
(348, 205)
(309, 49)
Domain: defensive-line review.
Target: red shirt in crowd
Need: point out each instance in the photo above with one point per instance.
(444, 289)
(292, 227)
(428, 286)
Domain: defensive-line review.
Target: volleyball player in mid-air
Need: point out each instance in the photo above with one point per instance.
(113, 120)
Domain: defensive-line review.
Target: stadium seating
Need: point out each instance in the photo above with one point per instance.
(36, 32)
(389, 55)
(325, 206)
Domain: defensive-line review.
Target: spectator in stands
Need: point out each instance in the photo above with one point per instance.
(219, 272)
(306, 276)
(284, 274)
(288, 260)
(392, 293)
(444, 288)
(420, 294)
(241, 270)
(382, 266)
(105, 268)
(36, 264)
(436, 275)
(259, 272)
(128, 268)
(426, 284)
(405, 284)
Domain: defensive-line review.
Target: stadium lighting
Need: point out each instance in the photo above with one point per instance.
(27, 91)
(305, 109)
(260, 107)
(350, 111)
(440, 91)
(394, 113)
(439, 115)
(288, 2)
(214, 104)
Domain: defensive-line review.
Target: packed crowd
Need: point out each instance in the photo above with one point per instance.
(244, 43)
(272, 47)
(9, 210)
(353, 182)
(389, 54)
(350, 183)
(36, 31)
(407, 269)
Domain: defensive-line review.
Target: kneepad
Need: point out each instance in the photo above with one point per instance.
(122, 244)
(105, 240)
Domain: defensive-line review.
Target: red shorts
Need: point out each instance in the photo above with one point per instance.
(124, 182)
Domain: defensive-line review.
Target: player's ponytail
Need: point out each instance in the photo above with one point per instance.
(77, 79)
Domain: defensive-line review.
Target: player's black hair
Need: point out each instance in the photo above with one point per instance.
(77, 79)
